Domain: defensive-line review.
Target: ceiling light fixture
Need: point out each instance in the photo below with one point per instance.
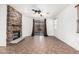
(36, 11)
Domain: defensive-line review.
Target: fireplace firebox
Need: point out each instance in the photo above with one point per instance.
(16, 35)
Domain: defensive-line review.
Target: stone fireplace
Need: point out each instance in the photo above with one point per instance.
(14, 24)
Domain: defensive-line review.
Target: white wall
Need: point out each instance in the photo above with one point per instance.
(67, 27)
(50, 27)
(27, 24)
(3, 23)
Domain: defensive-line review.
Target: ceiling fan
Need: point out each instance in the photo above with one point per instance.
(36, 11)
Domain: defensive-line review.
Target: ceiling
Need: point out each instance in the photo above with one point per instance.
(47, 10)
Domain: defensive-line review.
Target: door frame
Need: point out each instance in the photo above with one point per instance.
(45, 27)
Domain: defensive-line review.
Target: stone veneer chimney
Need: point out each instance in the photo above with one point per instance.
(14, 23)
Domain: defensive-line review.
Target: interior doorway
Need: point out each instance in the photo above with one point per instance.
(39, 28)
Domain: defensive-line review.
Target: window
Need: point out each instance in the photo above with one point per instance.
(77, 18)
